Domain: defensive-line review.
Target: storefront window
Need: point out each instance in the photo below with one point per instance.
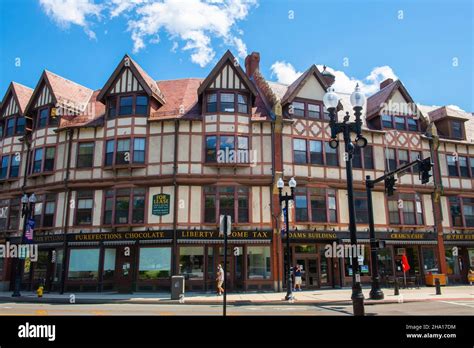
(154, 263)
(384, 260)
(452, 262)
(364, 263)
(84, 264)
(258, 262)
(2, 265)
(430, 262)
(58, 265)
(210, 263)
(191, 262)
(109, 264)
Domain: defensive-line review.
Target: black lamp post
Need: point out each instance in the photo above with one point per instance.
(28, 206)
(287, 198)
(331, 101)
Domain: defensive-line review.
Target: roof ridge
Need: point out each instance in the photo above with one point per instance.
(21, 85)
(66, 79)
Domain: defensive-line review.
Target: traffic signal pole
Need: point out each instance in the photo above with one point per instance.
(425, 166)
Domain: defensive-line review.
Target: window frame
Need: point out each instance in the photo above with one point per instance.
(4, 169)
(131, 150)
(394, 123)
(78, 155)
(238, 192)
(416, 198)
(44, 199)
(323, 115)
(469, 166)
(218, 92)
(236, 148)
(78, 198)
(132, 194)
(460, 201)
(363, 157)
(113, 102)
(38, 119)
(308, 193)
(324, 147)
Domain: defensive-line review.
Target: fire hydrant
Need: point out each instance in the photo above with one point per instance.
(40, 291)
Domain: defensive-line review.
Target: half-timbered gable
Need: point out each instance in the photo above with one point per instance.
(12, 129)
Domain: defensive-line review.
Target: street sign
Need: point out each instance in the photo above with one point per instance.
(222, 227)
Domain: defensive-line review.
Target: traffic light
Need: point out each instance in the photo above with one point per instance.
(424, 167)
(390, 185)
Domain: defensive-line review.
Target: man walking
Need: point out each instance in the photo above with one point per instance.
(220, 280)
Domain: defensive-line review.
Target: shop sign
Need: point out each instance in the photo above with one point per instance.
(407, 236)
(313, 235)
(109, 236)
(459, 237)
(233, 235)
(160, 204)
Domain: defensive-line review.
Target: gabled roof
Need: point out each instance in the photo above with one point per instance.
(21, 93)
(228, 57)
(296, 86)
(376, 101)
(66, 94)
(148, 84)
(92, 116)
(181, 99)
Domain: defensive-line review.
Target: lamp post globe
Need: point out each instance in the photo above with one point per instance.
(280, 183)
(292, 182)
(330, 99)
(357, 97)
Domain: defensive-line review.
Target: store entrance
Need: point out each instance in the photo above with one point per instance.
(309, 272)
(234, 268)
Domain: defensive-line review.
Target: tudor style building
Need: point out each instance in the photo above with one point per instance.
(131, 179)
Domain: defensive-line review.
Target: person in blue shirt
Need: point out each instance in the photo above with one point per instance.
(298, 279)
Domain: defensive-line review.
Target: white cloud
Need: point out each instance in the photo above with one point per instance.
(66, 12)
(195, 22)
(455, 107)
(287, 74)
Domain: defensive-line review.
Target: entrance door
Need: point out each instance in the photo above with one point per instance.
(235, 266)
(42, 270)
(309, 273)
(125, 270)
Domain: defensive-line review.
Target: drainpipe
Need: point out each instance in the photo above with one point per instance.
(277, 254)
(67, 190)
(176, 203)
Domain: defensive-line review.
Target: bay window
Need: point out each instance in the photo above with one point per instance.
(211, 105)
(321, 207)
(10, 130)
(226, 200)
(141, 105)
(43, 160)
(242, 104)
(85, 206)
(211, 148)
(126, 105)
(227, 102)
(387, 121)
(124, 206)
(112, 108)
(399, 123)
(412, 124)
(43, 115)
(122, 156)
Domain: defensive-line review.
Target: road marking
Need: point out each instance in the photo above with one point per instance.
(98, 313)
(41, 312)
(469, 304)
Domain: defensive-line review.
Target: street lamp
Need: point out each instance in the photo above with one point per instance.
(28, 206)
(287, 198)
(331, 101)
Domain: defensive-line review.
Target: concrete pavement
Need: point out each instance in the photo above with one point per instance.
(323, 296)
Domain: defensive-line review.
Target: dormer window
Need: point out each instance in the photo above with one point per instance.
(227, 102)
(298, 109)
(314, 111)
(43, 115)
(399, 122)
(457, 130)
(308, 109)
(127, 106)
(10, 127)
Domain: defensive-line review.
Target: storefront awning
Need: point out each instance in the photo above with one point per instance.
(83, 243)
(459, 242)
(154, 241)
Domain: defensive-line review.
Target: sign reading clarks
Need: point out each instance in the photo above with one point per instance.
(160, 204)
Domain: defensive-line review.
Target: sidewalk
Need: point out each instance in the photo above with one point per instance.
(321, 297)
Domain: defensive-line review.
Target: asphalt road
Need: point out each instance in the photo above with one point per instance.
(412, 308)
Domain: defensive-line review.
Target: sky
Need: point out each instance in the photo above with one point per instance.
(427, 44)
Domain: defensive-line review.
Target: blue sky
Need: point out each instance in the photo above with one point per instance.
(427, 44)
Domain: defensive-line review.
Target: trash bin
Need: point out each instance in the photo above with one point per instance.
(177, 287)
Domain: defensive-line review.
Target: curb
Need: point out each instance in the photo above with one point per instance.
(213, 302)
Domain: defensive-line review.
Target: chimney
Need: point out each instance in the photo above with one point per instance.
(252, 63)
(385, 83)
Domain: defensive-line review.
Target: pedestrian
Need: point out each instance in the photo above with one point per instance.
(220, 280)
(298, 278)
